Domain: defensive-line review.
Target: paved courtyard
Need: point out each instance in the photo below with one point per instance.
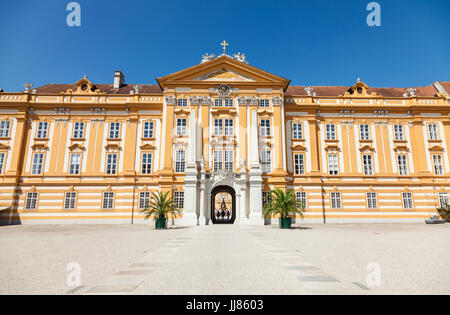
(224, 259)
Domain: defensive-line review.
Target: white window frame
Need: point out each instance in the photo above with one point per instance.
(333, 164)
(148, 129)
(367, 164)
(438, 167)
(228, 102)
(78, 130)
(402, 164)
(5, 125)
(399, 132)
(74, 163)
(364, 132)
(144, 199)
(108, 200)
(264, 127)
(146, 163)
(407, 200)
(180, 161)
(111, 163)
(297, 131)
(264, 196)
(70, 198)
(330, 131)
(31, 201)
(229, 127)
(181, 126)
(372, 201)
(301, 196)
(182, 102)
(433, 132)
(178, 198)
(266, 161)
(218, 102)
(218, 127)
(264, 103)
(37, 163)
(335, 200)
(42, 130)
(2, 162)
(114, 130)
(299, 164)
(228, 160)
(443, 199)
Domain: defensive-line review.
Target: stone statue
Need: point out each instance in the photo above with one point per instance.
(243, 162)
(240, 57)
(202, 164)
(208, 57)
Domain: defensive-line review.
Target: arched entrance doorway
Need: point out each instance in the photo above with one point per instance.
(223, 205)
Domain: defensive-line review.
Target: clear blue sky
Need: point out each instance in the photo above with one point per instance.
(310, 42)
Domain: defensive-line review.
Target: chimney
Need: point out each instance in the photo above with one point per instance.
(119, 79)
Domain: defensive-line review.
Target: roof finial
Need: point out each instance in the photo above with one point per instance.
(224, 44)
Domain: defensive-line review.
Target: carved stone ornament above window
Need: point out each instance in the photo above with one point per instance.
(223, 90)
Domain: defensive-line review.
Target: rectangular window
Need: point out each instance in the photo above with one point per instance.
(4, 128)
(364, 133)
(78, 130)
(229, 127)
(182, 102)
(299, 164)
(297, 131)
(437, 164)
(371, 200)
(217, 160)
(333, 164)
(74, 166)
(407, 200)
(266, 162)
(266, 197)
(368, 165)
(38, 160)
(330, 132)
(114, 129)
(443, 199)
(264, 103)
(42, 130)
(180, 162)
(111, 163)
(229, 160)
(265, 127)
(228, 102)
(178, 199)
(402, 163)
(148, 129)
(181, 126)
(2, 162)
(335, 200)
(146, 164)
(301, 198)
(108, 200)
(218, 102)
(218, 127)
(69, 202)
(433, 132)
(144, 199)
(30, 203)
(398, 132)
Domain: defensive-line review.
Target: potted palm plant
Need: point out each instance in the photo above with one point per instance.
(283, 203)
(444, 212)
(160, 206)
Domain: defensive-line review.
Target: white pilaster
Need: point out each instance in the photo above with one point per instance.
(255, 179)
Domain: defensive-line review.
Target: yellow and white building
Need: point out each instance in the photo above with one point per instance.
(93, 153)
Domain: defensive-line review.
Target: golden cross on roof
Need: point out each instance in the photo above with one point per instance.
(224, 44)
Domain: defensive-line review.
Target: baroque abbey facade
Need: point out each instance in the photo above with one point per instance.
(218, 136)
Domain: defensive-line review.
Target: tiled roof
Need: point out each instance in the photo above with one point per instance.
(340, 90)
(108, 88)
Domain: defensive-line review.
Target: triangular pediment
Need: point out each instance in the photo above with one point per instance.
(223, 69)
(223, 74)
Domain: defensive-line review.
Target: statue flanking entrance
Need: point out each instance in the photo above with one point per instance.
(223, 205)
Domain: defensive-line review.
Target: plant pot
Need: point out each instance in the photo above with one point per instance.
(161, 223)
(285, 223)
